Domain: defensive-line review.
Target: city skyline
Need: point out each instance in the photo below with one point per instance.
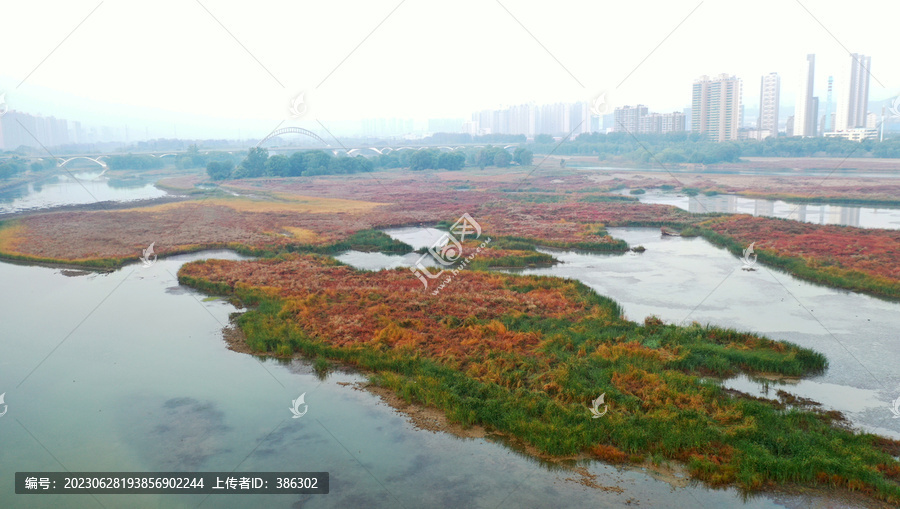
(569, 118)
(222, 71)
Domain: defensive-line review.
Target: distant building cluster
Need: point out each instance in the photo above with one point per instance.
(18, 129)
(558, 119)
(637, 119)
(717, 111)
(15, 127)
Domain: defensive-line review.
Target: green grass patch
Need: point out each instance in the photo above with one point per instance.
(654, 376)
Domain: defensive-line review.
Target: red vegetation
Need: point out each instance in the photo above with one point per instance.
(609, 454)
(871, 251)
(389, 309)
(407, 201)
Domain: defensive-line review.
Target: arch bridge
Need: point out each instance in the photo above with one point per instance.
(97, 160)
(293, 130)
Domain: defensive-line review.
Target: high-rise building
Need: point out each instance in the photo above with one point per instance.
(580, 115)
(716, 107)
(871, 121)
(769, 102)
(805, 110)
(22, 129)
(814, 110)
(829, 113)
(558, 119)
(662, 123)
(629, 118)
(853, 95)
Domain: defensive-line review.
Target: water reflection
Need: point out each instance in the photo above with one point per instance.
(682, 280)
(75, 189)
(846, 215)
(146, 383)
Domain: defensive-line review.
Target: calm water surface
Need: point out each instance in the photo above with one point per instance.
(682, 280)
(847, 215)
(77, 188)
(128, 371)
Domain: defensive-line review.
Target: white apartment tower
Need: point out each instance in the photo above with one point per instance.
(806, 108)
(716, 107)
(853, 94)
(769, 93)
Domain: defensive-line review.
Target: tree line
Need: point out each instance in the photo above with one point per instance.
(258, 162)
(685, 147)
(15, 165)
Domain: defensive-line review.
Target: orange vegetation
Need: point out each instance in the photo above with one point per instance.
(871, 251)
(388, 308)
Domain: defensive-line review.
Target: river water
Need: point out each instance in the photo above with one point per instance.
(847, 215)
(75, 188)
(683, 280)
(128, 371)
(132, 374)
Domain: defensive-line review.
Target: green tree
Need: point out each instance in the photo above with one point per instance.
(543, 138)
(254, 165)
(422, 160)
(452, 161)
(487, 155)
(196, 158)
(502, 159)
(318, 160)
(523, 156)
(219, 170)
(278, 166)
(297, 164)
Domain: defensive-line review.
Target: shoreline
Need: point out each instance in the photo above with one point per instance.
(433, 420)
(97, 206)
(464, 401)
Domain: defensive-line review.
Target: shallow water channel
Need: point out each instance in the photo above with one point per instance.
(128, 371)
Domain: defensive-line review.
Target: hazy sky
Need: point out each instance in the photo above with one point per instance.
(225, 66)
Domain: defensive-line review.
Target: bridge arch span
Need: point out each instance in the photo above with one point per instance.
(293, 130)
(97, 160)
